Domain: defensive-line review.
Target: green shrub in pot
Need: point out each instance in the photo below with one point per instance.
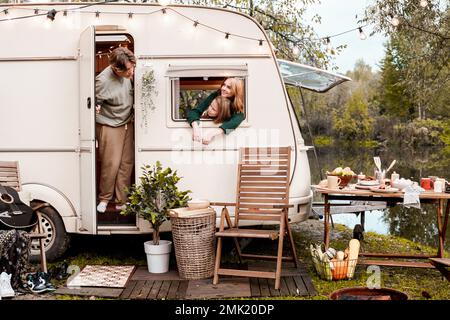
(154, 195)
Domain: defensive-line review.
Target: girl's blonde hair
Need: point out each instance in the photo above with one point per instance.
(223, 110)
(237, 90)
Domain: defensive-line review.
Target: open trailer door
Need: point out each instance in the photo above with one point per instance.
(87, 130)
(314, 79)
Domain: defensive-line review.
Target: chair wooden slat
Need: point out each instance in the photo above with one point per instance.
(263, 173)
(259, 200)
(258, 217)
(275, 195)
(266, 178)
(263, 184)
(261, 212)
(262, 194)
(8, 179)
(8, 164)
(262, 189)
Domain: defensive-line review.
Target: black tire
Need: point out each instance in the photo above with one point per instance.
(57, 241)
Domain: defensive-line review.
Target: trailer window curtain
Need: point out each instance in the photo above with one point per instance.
(190, 85)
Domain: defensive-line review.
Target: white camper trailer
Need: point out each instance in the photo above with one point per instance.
(47, 98)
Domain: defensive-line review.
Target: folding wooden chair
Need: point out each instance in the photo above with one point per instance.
(10, 176)
(262, 195)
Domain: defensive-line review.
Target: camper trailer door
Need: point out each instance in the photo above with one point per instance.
(87, 130)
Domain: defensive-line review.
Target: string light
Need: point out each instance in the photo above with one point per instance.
(36, 11)
(195, 22)
(362, 35)
(97, 17)
(329, 48)
(51, 15)
(423, 3)
(394, 20)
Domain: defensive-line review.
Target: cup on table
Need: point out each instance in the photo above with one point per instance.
(439, 185)
(425, 183)
(333, 182)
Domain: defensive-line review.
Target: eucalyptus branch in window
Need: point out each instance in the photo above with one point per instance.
(148, 91)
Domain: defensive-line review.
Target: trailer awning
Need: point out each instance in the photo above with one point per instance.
(314, 79)
(207, 70)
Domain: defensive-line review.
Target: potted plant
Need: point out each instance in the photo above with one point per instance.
(152, 198)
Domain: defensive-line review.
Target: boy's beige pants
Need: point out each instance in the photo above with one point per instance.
(116, 155)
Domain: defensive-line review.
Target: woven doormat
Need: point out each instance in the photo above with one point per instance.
(102, 276)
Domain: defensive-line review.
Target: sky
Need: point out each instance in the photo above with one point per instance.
(338, 16)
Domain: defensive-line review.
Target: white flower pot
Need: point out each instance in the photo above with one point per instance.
(158, 256)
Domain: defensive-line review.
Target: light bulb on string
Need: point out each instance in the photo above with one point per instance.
(50, 18)
(423, 3)
(329, 47)
(51, 15)
(295, 50)
(68, 20)
(362, 35)
(132, 21)
(394, 21)
(36, 11)
(97, 18)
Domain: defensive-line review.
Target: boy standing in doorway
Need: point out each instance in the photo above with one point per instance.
(114, 127)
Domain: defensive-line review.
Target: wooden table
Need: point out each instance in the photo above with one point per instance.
(437, 198)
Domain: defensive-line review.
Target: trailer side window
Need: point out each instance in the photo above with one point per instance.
(189, 92)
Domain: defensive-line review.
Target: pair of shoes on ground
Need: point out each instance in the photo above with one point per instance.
(39, 282)
(101, 207)
(6, 290)
(59, 272)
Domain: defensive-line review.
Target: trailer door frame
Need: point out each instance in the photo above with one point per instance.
(87, 130)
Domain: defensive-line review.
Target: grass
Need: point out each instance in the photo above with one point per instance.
(418, 284)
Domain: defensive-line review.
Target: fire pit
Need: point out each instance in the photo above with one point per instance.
(363, 293)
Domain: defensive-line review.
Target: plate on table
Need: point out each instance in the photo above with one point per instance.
(370, 183)
(358, 186)
(387, 190)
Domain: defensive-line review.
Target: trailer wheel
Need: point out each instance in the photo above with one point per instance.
(57, 240)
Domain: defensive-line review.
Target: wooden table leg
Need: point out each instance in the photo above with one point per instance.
(326, 222)
(441, 231)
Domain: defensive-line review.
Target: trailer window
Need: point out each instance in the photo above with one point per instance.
(189, 92)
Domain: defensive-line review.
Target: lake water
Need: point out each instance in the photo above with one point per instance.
(418, 225)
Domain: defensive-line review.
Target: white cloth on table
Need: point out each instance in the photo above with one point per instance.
(411, 198)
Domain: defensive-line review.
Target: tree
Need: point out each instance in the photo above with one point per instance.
(354, 122)
(393, 98)
(420, 44)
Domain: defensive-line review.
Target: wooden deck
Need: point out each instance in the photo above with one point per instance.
(143, 285)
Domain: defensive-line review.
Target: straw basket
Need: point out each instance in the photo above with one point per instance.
(336, 270)
(193, 239)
